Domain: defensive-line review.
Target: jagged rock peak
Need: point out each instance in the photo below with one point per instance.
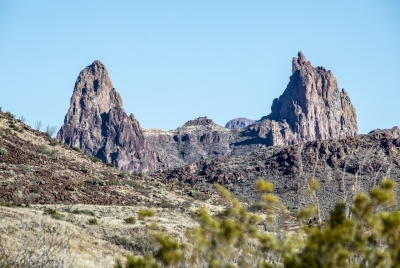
(240, 122)
(298, 62)
(200, 121)
(97, 123)
(311, 108)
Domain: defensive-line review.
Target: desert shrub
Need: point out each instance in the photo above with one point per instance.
(197, 195)
(94, 159)
(83, 211)
(38, 125)
(86, 170)
(50, 130)
(134, 184)
(113, 182)
(9, 114)
(13, 125)
(92, 221)
(97, 181)
(44, 150)
(3, 151)
(130, 220)
(6, 204)
(53, 213)
(76, 149)
(368, 237)
(144, 213)
(54, 142)
(110, 164)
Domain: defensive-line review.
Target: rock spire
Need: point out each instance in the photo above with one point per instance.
(97, 123)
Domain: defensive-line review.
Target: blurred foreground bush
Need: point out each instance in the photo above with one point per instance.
(368, 237)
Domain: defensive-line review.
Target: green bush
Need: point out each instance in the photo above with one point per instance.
(53, 213)
(92, 221)
(130, 220)
(84, 211)
(44, 150)
(144, 213)
(97, 181)
(76, 149)
(54, 142)
(3, 151)
(6, 204)
(110, 165)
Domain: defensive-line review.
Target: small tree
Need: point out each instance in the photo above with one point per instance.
(51, 130)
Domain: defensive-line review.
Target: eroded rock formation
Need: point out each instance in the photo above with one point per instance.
(97, 123)
(311, 108)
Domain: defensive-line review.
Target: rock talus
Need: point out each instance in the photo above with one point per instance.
(97, 123)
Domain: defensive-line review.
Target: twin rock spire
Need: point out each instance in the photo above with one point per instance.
(310, 108)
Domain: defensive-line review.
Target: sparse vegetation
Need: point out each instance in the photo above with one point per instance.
(83, 211)
(233, 238)
(53, 213)
(130, 220)
(50, 130)
(97, 181)
(3, 151)
(54, 142)
(110, 165)
(38, 125)
(197, 195)
(93, 221)
(44, 150)
(6, 204)
(144, 213)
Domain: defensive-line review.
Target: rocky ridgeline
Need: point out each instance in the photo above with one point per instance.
(311, 108)
(340, 166)
(97, 123)
(239, 123)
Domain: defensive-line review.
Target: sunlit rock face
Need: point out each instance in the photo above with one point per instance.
(97, 123)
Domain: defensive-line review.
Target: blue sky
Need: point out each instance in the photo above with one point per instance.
(173, 61)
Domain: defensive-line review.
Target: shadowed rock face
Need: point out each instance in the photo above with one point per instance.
(239, 123)
(97, 123)
(311, 108)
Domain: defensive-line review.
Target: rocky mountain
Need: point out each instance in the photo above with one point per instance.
(394, 130)
(97, 123)
(311, 108)
(341, 167)
(240, 122)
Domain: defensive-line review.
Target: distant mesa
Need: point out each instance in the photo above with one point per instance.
(240, 122)
(97, 123)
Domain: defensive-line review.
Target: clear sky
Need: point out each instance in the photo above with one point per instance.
(173, 61)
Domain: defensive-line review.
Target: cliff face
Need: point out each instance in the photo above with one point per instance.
(311, 108)
(97, 123)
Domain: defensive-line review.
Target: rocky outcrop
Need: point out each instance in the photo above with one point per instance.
(197, 139)
(239, 123)
(394, 130)
(97, 123)
(311, 108)
(340, 166)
